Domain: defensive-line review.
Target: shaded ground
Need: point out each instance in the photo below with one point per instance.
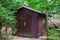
(24, 38)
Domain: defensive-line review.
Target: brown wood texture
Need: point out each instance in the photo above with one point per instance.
(42, 25)
(3, 38)
(30, 23)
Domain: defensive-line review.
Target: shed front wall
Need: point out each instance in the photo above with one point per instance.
(29, 23)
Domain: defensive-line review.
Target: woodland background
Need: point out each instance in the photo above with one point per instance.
(50, 7)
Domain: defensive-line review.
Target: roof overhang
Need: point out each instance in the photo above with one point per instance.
(29, 8)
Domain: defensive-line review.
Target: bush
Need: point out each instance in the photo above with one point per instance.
(52, 33)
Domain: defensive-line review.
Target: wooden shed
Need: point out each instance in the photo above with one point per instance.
(30, 23)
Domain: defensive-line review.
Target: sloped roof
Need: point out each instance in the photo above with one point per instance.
(30, 9)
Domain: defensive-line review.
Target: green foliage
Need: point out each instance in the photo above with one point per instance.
(7, 17)
(42, 5)
(53, 32)
(10, 4)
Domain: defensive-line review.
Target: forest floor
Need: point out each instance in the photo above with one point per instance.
(24, 38)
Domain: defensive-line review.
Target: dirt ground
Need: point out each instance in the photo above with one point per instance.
(24, 38)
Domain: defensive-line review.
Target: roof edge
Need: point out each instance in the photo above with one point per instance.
(30, 9)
